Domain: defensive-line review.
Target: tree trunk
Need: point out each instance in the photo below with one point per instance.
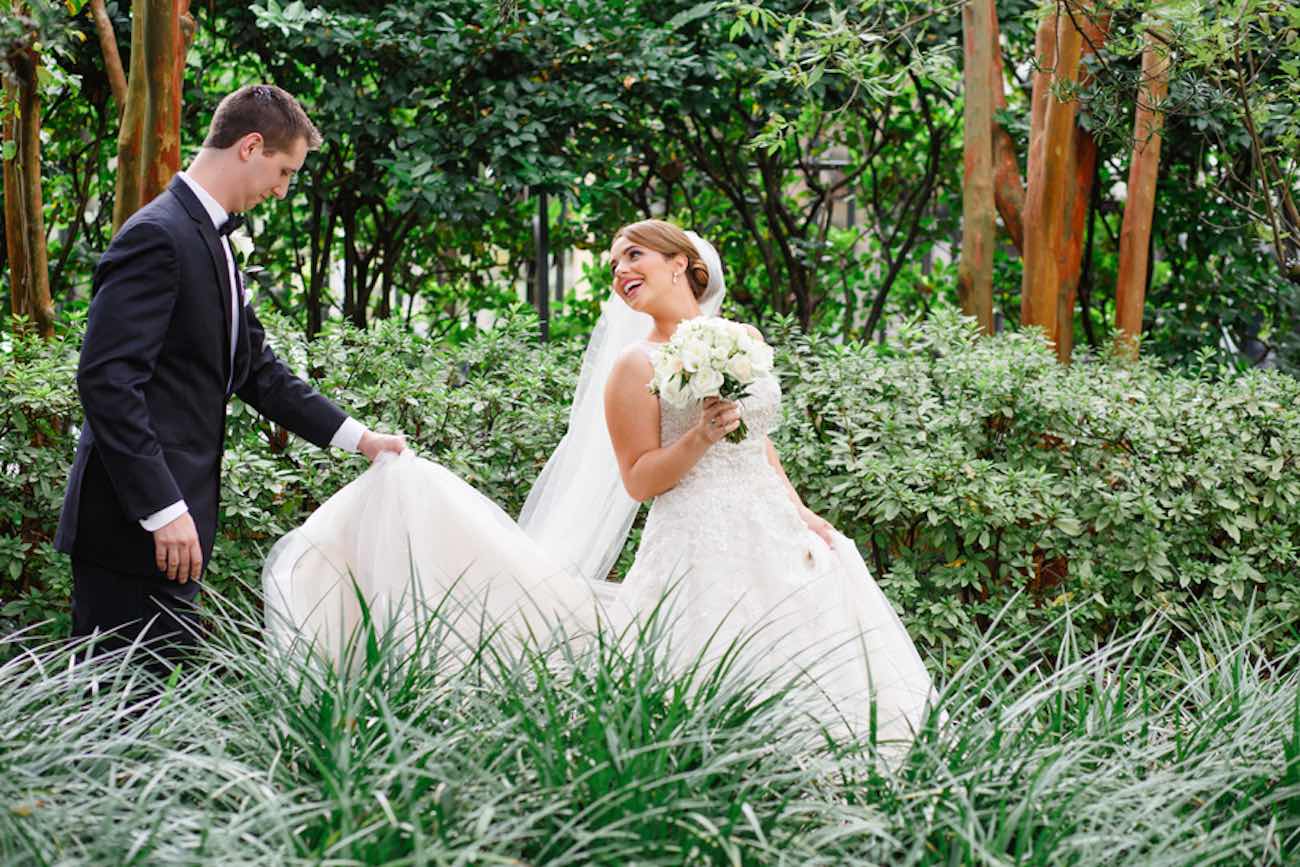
(29, 277)
(1045, 57)
(1083, 169)
(126, 195)
(108, 48)
(149, 143)
(317, 279)
(1049, 177)
(1008, 186)
(975, 271)
(1135, 236)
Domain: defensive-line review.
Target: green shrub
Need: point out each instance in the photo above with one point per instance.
(970, 471)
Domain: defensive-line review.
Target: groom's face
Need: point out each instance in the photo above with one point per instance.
(269, 173)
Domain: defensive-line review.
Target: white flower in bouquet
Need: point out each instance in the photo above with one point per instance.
(741, 366)
(709, 358)
(676, 392)
(694, 354)
(706, 382)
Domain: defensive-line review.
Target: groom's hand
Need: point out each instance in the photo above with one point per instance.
(176, 550)
(372, 444)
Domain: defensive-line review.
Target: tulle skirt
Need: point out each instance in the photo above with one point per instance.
(406, 542)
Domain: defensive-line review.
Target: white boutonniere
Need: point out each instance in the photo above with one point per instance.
(241, 243)
(242, 246)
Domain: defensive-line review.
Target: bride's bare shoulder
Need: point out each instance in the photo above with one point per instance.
(632, 369)
(635, 357)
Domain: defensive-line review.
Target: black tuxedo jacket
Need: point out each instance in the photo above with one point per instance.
(153, 382)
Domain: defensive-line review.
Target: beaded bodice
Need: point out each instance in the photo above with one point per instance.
(726, 464)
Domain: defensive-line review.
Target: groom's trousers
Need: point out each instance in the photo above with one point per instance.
(125, 607)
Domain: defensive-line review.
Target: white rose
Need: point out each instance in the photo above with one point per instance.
(761, 357)
(674, 393)
(694, 353)
(667, 365)
(690, 328)
(741, 367)
(706, 384)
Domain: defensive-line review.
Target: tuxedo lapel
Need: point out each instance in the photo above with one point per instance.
(212, 241)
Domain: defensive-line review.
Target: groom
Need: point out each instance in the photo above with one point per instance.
(169, 339)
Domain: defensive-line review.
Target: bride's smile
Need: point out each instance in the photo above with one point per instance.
(640, 274)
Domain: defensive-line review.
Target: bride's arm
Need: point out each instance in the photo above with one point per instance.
(815, 522)
(632, 416)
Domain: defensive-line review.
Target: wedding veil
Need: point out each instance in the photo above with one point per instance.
(578, 510)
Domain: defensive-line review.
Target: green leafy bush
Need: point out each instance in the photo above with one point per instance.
(970, 471)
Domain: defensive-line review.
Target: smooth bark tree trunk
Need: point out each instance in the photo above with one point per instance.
(1078, 193)
(1051, 164)
(1045, 59)
(149, 143)
(1008, 186)
(1083, 169)
(1135, 235)
(108, 48)
(975, 271)
(29, 278)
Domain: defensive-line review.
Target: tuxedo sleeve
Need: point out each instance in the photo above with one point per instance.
(128, 321)
(274, 391)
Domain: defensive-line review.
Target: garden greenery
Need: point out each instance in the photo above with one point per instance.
(596, 752)
(973, 473)
(819, 146)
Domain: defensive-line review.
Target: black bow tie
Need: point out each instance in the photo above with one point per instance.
(233, 222)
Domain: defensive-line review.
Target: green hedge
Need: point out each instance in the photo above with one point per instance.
(975, 474)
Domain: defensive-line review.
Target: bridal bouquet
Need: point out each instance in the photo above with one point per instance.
(710, 357)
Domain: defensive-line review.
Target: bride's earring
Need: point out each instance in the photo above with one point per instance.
(676, 274)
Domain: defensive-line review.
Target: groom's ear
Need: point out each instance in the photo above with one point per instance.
(249, 145)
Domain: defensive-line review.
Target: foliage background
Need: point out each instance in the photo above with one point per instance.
(973, 474)
(819, 147)
(1102, 556)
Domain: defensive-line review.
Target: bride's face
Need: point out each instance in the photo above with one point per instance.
(643, 276)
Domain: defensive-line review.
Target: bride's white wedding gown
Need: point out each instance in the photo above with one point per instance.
(725, 548)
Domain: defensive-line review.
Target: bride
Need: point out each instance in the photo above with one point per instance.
(729, 557)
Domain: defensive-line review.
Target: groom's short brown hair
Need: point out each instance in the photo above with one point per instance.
(265, 109)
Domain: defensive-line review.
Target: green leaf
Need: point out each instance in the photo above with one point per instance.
(1069, 526)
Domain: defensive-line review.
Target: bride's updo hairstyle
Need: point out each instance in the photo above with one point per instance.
(665, 238)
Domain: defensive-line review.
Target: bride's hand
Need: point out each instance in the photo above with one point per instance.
(719, 418)
(818, 525)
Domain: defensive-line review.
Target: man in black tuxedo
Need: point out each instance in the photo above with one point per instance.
(169, 339)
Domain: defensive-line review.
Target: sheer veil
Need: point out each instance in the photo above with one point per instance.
(578, 510)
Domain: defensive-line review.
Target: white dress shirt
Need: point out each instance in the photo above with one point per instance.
(349, 434)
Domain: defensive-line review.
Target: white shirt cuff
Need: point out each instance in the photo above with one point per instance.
(349, 434)
(162, 518)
